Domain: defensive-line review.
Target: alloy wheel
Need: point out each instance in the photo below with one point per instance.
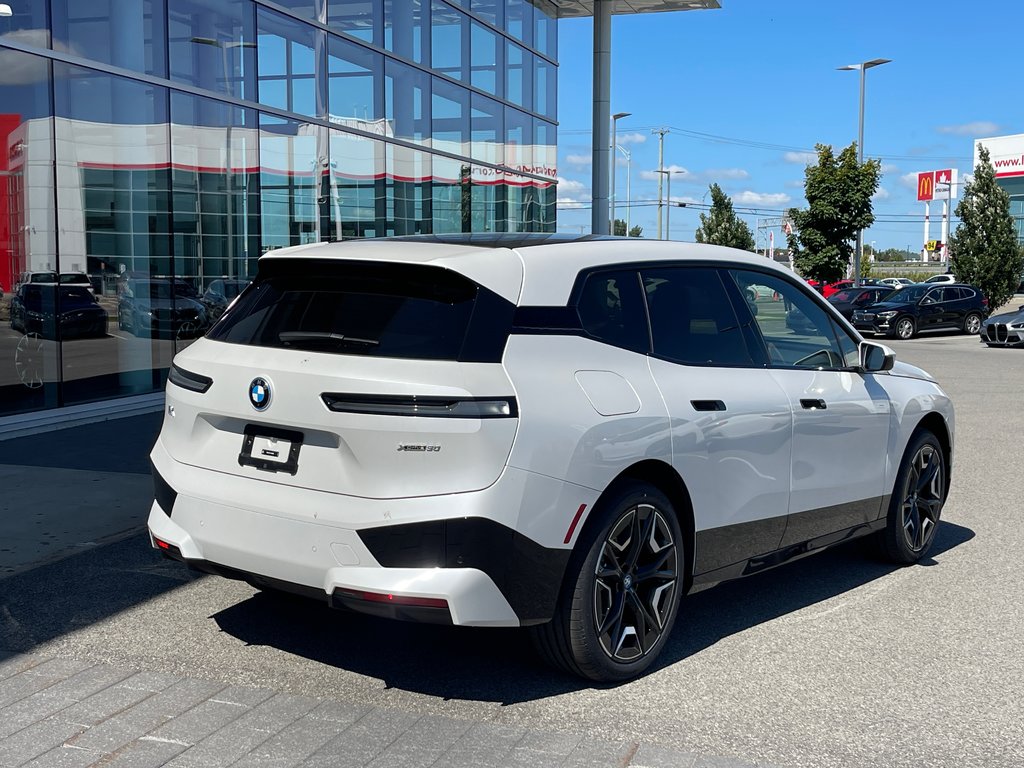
(905, 328)
(973, 324)
(635, 585)
(922, 501)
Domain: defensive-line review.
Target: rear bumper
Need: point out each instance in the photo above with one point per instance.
(463, 549)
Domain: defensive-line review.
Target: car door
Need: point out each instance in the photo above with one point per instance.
(931, 309)
(731, 424)
(841, 417)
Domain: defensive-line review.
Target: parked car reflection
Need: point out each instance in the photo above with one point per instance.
(160, 307)
(35, 308)
(219, 294)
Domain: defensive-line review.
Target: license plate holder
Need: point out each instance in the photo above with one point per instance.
(270, 449)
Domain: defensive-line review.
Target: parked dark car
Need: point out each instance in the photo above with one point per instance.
(159, 306)
(1005, 330)
(925, 307)
(851, 299)
(36, 306)
(219, 294)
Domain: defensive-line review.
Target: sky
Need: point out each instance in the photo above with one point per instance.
(749, 89)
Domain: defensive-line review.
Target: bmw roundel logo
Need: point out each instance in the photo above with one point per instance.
(259, 393)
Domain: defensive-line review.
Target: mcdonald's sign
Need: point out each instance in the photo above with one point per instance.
(926, 186)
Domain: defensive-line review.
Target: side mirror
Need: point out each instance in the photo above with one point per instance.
(876, 357)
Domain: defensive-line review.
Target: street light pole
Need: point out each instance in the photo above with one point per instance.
(668, 194)
(629, 198)
(863, 67)
(615, 119)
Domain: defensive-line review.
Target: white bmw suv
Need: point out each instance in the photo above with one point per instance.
(562, 433)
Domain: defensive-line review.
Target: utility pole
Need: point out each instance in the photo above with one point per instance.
(661, 168)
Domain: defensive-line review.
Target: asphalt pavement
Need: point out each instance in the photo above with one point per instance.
(118, 657)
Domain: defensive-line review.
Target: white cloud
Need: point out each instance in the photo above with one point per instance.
(909, 180)
(631, 138)
(977, 128)
(761, 198)
(800, 158)
(713, 174)
(677, 171)
(566, 203)
(795, 184)
(881, 194)
(570, 187)
(579, 159)
(889, 168)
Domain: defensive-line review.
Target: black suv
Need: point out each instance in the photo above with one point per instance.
(925, 307)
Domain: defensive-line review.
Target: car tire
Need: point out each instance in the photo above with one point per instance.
(627, 567)
(905, 328)
(915, 506)
(972, 323)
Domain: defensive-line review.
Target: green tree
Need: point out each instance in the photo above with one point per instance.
(620, 229)
(984, 250)
(838, 192)
(721, 225)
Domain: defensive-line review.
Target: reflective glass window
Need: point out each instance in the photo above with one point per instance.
(519, 75)
(487, 129)
(29, 367)
(485, 59)
(452, 190)
(355, 90)
(545, 157)
(545, 28)
(545, 95)
(407, 101)
(518, 139)
(28, 23)
(361, 19)
(450, 117)
(486, 200)
(611, 308)
(409, 191)
(113, 165)
(407, 29)
(215, 192)
(291, 64)
(307, 9)
(290, 172)
(449, 38)
(491, 11)
(212, 45)
(353, 194)
(519, 20)
(126, 33)
(526, 211)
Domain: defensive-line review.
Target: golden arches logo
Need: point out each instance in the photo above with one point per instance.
(925, 186)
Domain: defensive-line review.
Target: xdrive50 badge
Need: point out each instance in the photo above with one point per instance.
(419, 448)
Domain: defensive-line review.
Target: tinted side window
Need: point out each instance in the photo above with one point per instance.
(692, 319)
(797, 332)
(611, 309)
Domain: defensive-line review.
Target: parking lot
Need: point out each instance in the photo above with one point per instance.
(836, 660)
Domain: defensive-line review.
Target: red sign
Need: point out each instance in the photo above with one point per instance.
(942, 178)
(926, 184)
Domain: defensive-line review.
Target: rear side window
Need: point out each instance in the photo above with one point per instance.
(370, 309)
(692, 318)
(611, 309)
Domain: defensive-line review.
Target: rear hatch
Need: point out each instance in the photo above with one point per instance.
(373, 379)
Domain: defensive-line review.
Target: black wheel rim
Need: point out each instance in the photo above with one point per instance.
(922, 499)
(635, 588)
(905, 329)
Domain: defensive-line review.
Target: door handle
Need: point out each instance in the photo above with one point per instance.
(813, 404)
(707, 405)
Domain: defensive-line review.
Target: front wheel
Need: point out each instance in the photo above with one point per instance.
(905, 328)
(622, 589)
(972, 323)
(917, 500)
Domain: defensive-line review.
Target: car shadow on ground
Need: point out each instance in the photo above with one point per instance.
(499, 665)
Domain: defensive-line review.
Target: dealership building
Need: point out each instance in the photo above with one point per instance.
(1007, 156)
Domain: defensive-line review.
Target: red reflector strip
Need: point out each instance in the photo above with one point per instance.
(574, 523)
(161, 544)
(379, 597)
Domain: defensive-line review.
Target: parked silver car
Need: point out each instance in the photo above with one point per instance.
(1005, 330)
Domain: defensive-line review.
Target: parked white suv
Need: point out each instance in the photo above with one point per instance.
(562, 433)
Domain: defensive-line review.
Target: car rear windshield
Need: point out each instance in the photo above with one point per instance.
(368, 308)
(78, 279)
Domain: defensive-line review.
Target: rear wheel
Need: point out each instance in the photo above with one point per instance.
(972, 323)
(917, 500)
(621, 594)
(906, 328)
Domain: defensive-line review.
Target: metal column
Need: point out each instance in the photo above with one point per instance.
(602, 115)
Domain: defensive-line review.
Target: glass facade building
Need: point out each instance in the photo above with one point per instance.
(152, 150)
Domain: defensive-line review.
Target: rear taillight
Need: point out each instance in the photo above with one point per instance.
(194, 382)
(984, 302)
(419, 405)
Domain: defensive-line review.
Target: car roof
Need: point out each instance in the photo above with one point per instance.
(529, 269)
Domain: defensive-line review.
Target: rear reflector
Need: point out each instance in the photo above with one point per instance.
(422, 405)
(383, 597)
(162, 544)
(574, 523)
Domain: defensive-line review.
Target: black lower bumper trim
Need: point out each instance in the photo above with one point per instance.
(165, 495)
